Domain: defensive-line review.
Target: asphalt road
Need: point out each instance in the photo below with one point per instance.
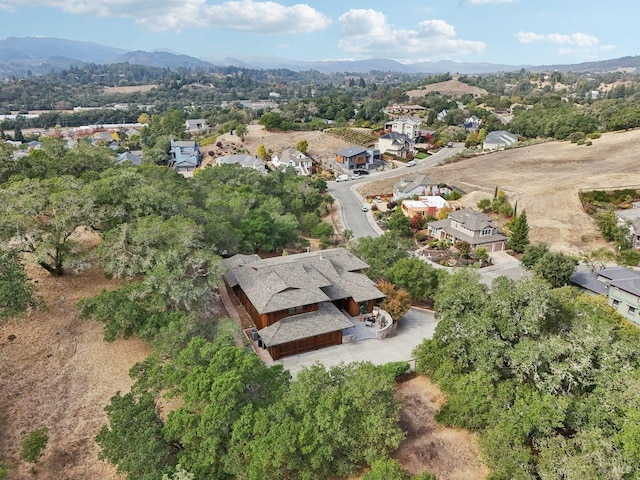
(350, 202)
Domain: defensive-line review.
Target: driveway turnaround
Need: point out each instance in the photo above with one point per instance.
(416, 325)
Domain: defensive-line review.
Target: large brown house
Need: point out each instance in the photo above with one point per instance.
(297, 301)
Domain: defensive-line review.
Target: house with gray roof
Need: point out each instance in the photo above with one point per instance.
(185, 155)
(244, 160)
(419, 184)
(499, 140)
(620, 285)
(129, 158)
(297, 301)
(398, 144)
(467, 225)
(194, 125)
(631, 218)
(290, 157)
(408, 126)
(355, 158)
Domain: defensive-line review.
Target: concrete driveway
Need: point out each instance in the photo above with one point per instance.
(416, 325)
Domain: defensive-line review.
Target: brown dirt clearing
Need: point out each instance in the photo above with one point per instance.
(322, 146)
(454, 88)
(60, 373)
(448, 453)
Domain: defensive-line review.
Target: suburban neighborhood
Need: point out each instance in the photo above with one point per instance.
(349, 269)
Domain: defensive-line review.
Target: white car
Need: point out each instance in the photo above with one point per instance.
(365, 208)
(411, 163)
(356, 176)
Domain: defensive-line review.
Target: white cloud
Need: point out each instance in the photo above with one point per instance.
(529, 37)
(580, 40)
(577, 43)
(159, 15)
(366, 33)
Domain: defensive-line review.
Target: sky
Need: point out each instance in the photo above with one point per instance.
(510, 32)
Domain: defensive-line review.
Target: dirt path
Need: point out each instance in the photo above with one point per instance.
(59, 372)
(448, 453)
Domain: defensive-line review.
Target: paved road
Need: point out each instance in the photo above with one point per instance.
(350, 202)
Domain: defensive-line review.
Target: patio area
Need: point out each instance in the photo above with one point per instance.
(362, 331)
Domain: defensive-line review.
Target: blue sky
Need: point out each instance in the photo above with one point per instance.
(514, 32)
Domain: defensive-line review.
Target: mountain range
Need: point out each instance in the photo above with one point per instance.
(20, 56)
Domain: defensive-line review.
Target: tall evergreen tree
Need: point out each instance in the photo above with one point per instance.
(519, 238)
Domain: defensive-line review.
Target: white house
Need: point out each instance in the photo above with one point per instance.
(398, 144)
(291, 157)
(418, 185)
(196, 125)
(499, 140)
(408, 126)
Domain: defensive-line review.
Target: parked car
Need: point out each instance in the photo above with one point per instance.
(411, 163)
(365, 208)
(450, 145)
(342, 178)
(361, 171)
(356, 176)
(378, 199)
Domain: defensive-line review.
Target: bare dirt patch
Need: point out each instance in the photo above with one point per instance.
(59, 372)
(545, 179)
(322, 146)
(454, 88)
(448, 453)
(130, 89)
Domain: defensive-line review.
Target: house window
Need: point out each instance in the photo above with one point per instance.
(632, 310)
(615, 302)
(486, 231)
(296, 310)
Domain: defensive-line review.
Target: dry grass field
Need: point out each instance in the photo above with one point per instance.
(454, 88)
(545, 179)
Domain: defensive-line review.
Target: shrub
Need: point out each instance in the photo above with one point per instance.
(33, 445)
(396, 369)
(589, 143)
(453, 195)
(576, 136)
(594, 135)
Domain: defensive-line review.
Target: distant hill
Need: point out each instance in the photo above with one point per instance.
(631, 64)
(161, 59)
(41, 55)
